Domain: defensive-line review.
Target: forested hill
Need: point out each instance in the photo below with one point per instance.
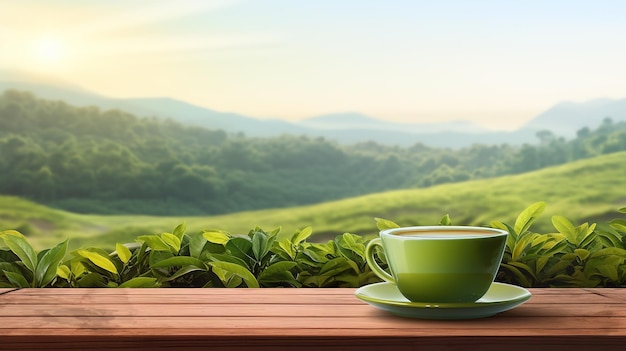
(90, 160)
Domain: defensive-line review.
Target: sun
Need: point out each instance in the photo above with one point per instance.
(49, 51)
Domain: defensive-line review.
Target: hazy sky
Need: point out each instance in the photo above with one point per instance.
(498, 63)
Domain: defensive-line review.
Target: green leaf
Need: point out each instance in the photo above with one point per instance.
(287, 247)
(511, 239)
(335, 266)
(352, 243)
(16, 279)
(541, 263)
(301, 235)
(609, 271)
(528, 216)
(91, 280)
(314, 256)
(77, 267)
(140, 282)
(179, 261)
(158, 256)
(619, 225)
(554, 247)
(123, 253)
(216, 237)
(610, 251)
(317, 281)
(595, 262)
(613, 239)
(326, 249)
(236, 270)
(179, 231)
(351, 280)
(22, 249)
(524, 241)
(46, 269)
(523, 267)
(155, 242)
(565, 227)
(228, 258)
(8, 256)
(11, 267)
(519, 276)
(141, 254)
(445, 220)
(240, 247)
(260, 245)
(383, 224)
(64, 272)
(11, 232)
(183, 271)
(234, 282)
(103, 262)
(276, 231)
(587, 238)
(172, 241)
(559, 266)
(278, 267)
(196, 244)
(540, 239)
(279, 272)
(582, 253)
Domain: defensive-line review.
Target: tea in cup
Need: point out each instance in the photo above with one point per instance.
(439, 264)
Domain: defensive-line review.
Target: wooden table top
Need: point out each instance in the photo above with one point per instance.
(296, 319)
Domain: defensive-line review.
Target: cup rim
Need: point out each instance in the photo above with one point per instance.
(490, 232)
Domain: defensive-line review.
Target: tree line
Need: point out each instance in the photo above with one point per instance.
(89, 160)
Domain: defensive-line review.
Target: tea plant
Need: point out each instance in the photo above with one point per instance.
(581, 256)
(23, 267)
(571, 256)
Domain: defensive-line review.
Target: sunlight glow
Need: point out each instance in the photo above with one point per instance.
(49, 50)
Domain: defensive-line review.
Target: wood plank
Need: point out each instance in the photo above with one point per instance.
(264, 291)
(611, 293)
(182, 310)
(258, 325)
(248, 296)
(217, 332)
(527, 310)
(191, 300)
(188, 291)
(166, 342)
(304, 319)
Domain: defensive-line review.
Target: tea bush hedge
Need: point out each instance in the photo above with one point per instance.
(571, 256)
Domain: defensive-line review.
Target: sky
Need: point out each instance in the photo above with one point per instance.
(497, 63)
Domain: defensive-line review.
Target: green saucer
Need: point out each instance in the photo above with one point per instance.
(499, 298)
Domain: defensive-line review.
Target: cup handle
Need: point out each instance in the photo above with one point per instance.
(369, 255)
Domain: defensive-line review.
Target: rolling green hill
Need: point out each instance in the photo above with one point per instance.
(587, 190)
(85, 160)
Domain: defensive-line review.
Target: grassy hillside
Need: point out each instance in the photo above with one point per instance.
(587, 190)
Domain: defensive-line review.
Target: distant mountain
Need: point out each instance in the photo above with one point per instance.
(193, 115)
(355, 120)
(350, 127)
(345, 128)
(176, 110)
(566, 118)
(71, 95)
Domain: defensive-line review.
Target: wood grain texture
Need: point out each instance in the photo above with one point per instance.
(289, 319)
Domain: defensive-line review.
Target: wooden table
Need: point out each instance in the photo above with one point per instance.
(296, 319)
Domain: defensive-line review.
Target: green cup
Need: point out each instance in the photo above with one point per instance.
(440, 264)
